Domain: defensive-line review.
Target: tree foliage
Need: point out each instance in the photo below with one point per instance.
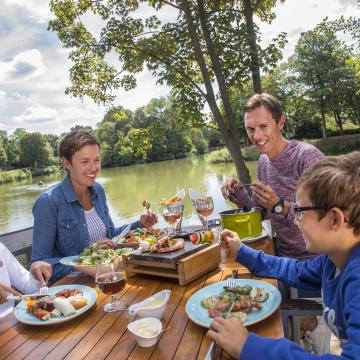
(209, 45)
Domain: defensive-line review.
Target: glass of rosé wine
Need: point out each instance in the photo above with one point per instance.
(204, 207)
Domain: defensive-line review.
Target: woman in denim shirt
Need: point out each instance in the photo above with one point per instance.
(73, 214)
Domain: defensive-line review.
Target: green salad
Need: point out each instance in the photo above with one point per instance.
(96, 255)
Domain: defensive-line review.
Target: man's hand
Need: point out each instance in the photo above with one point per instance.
(230, 334)
(264, 195)
(229, 186)
(41, 271)
(230, 239)
(148, 219)
(4, 290)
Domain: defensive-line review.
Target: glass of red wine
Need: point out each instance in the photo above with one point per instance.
(111, 280)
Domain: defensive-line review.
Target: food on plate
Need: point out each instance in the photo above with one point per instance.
(96, 255)
(140, 234)
(63, 303)
(246, 299)
(165, 244)
(202, 237)
(173, 200)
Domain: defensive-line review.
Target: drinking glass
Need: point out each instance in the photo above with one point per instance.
(111, 280)
(172, 214)
(204, 207)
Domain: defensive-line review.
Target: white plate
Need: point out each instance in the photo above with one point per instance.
(23, 316)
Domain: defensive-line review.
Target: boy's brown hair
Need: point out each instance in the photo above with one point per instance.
(269, 102)
(335, 182)
(74, 141)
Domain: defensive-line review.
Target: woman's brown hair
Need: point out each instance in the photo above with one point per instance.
(74, 141)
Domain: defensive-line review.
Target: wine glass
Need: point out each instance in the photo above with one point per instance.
(204, 206)
(111, 280)
(172, 214)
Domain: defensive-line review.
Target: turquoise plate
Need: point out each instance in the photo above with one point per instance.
(199, 315)
(69, 260)
(23, 316)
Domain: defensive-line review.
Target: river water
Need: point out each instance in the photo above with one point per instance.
(126, 188)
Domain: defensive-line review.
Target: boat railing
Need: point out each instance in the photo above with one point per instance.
(19, 243)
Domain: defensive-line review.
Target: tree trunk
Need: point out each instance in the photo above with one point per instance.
(323, 122)
(228, 129)
(338, 121)
(255, 63)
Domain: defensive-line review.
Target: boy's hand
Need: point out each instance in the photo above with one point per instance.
(230, 334)
(41, 271)
(4, 290)
(264, 195)
(230, 239)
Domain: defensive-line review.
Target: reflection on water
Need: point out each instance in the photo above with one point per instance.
(126, 188)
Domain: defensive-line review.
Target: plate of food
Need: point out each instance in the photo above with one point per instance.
(134, 237)
(254, 301)
(86, 261)
(63, 304)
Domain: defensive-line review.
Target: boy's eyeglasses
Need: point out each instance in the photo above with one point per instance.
(299, 209)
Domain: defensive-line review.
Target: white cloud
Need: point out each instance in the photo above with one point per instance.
(39, 10)
(25, 65)
(2, 95)
(38, 114)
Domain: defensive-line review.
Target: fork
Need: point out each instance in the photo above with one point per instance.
(44, 290)
(231, 282)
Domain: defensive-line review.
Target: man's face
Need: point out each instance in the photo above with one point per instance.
(264, 132)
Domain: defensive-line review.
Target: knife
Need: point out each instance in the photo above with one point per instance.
(212, 348)
(22, 297)
(228, 309)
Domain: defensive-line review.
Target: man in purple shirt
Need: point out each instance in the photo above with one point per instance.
(280, 165)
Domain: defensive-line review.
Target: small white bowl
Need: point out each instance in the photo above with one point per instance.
(153, 306)
(146, 331)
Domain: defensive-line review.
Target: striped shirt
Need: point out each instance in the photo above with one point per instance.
(96, 227)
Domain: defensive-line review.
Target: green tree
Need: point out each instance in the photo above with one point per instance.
(319, 60)
(204, 49)
(35, 151)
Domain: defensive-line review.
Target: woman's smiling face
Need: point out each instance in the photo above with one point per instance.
(84, 165)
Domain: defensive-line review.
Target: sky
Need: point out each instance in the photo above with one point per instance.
(34, 68)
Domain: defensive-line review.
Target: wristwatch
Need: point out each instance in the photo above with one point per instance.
(278, 208)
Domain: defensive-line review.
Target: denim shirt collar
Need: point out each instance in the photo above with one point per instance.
(69, 190)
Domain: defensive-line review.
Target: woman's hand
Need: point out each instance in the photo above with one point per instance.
(230, 239)
(106, 243)
(41, 271)
(229, 185)
(4, 290)
(148, 219)
(264, 195)
(230, 334)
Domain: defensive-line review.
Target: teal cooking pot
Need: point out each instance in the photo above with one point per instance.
(246, 222)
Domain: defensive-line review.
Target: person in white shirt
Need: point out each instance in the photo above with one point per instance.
(12, 273)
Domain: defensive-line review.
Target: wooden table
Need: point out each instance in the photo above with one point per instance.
(96, 335)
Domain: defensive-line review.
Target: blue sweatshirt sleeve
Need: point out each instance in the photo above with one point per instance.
(259, 348)
(300, 274)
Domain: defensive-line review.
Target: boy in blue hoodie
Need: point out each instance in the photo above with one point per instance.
(328, 214)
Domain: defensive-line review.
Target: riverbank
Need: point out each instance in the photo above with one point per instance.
(25, 173)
